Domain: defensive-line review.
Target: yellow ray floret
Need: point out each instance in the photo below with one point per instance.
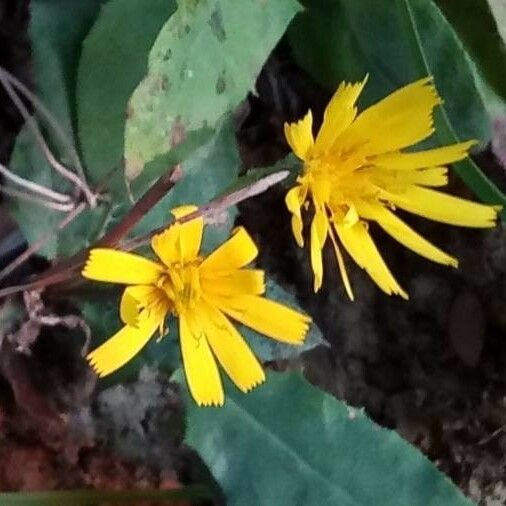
(338, 116)
(200, 367)
(362, 166)
(238, 251)
(230, 349)
(300, 136)
(105, 264)
(265, 316)
(200, 292)
(124, 345)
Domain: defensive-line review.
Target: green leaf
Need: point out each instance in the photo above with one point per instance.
(113, 62)
(269, 349)
(204, 61)
(416, 21)
(161, 163)
(98, 497)
(286, 442)
(396, 43)
(56, 34)
(475, 24)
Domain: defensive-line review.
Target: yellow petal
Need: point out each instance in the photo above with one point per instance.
(422, 159)
(129, 308)
(342, 266)
(294, 200)
(123, 346)
(401, 119)
(445, 208)
(397, 180)
(299, 136)
(232, 352)
(436, 176)
(235, 253)
(394, 226)
(338, 116)
(191, 232)
(235, 282)
(319, 229)
(105, 264)
(134, 299)
(181, 241)
(362, 249)
(200, 367)
(297, 227)
(266, 317)
(351, 217)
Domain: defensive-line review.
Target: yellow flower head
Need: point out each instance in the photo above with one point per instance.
(203, 292)
(356, 171)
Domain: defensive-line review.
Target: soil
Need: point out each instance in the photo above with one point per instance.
(431, 368)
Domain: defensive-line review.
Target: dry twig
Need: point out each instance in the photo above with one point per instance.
(32, 124)
(34, 187)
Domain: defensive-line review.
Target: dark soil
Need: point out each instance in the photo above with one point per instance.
(431, 368)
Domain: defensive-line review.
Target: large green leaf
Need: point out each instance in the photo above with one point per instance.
(395, 43)
(477, 29)
(288, 443)
(113, 62)
(202, 65)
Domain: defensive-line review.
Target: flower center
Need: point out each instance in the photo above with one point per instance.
(181, 284)
(340, 183)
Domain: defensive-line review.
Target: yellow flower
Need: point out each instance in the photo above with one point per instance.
(356, 171)
(203, 292)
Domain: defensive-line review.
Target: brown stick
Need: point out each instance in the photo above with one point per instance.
(164, 184)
